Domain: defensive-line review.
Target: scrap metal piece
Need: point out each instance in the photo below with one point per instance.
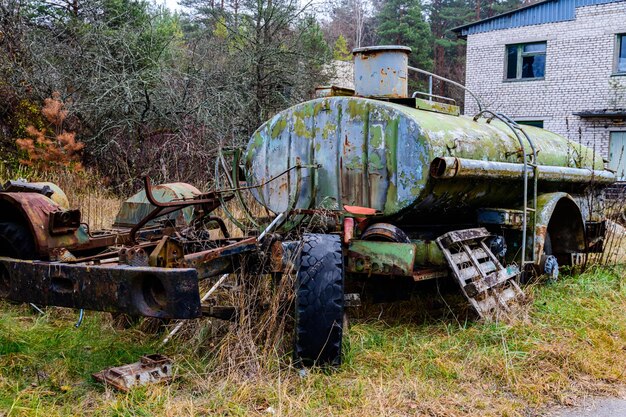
(213, 262)
(203, 299)
(21, 186)
(385, 232)
(138, 206)
(150, 369)
(138, 291)
(133, 256)
(489, 287)
(352, 300)
(209, 202)
(423, 274)
(64, 221)
(39, 210)
(167, 253)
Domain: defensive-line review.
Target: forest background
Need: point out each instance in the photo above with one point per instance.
(130, 88)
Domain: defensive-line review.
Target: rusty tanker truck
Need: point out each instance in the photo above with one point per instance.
(370, 184)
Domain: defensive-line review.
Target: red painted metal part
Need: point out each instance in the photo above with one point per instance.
(363, 211)
(37, 212)
(348, 229)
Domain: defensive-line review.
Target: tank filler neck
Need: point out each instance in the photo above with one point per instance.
(381, 71)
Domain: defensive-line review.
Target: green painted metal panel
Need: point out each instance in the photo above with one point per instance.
(137, 207)
(384, 258)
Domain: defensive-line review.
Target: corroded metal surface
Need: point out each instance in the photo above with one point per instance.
(559, 215)
(149, 370)
(382, 258)
(39, 213)
(220, 260)
(489, 287)
(332, 90)
(58, 196)
(437, 107)
(141, 291)
(450, 167)
(206, 203)
(380, 71)
(385, 232)
(137, 207)
(377, 154)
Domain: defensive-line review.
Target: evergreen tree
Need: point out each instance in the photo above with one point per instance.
(448, 49)
(400, 22)
(341, 51)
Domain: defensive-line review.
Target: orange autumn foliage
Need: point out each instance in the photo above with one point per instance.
(52, 147)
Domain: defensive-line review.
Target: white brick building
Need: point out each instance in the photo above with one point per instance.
(560, 64)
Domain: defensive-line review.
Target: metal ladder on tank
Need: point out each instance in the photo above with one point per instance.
(490, 287)
(530, 160)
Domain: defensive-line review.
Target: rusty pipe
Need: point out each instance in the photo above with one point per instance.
(452, 167)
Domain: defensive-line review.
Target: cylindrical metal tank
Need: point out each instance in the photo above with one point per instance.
(381, 71)
(378, 154)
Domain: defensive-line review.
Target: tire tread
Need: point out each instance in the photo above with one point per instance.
(319, 301)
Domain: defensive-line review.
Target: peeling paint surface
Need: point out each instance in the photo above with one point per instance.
(137, 207)
(377, 154)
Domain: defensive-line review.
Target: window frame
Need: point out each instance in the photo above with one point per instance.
(531, 122)
(611, 132)
(520, 55)
(619, 39)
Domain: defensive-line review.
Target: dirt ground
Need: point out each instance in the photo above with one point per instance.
(594, 407)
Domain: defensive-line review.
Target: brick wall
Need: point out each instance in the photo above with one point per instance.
(578, 74)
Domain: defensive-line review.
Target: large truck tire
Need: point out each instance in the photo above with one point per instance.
(16, 241)
(319, 301)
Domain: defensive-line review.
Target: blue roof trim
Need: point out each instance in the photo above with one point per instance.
(547, 11)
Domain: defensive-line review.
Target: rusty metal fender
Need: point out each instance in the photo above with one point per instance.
(37, 211)
(546, 204)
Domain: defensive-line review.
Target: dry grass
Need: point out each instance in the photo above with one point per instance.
(572, 345)
(98, 205)
(84, 190)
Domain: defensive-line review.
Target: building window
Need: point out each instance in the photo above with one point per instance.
(620, 53)
(526, 61)
(535, 123)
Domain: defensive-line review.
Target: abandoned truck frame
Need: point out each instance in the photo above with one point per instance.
(401, 188)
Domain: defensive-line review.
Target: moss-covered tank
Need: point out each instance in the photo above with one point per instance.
(405, 156)
(377, 154)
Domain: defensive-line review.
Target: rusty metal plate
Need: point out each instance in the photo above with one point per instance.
(150, 369)
(39, 210)
(138, 291)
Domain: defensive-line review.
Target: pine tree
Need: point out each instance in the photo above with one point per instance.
(341, 51)
(401, 23)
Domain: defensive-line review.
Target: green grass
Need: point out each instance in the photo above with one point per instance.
(570, 341)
